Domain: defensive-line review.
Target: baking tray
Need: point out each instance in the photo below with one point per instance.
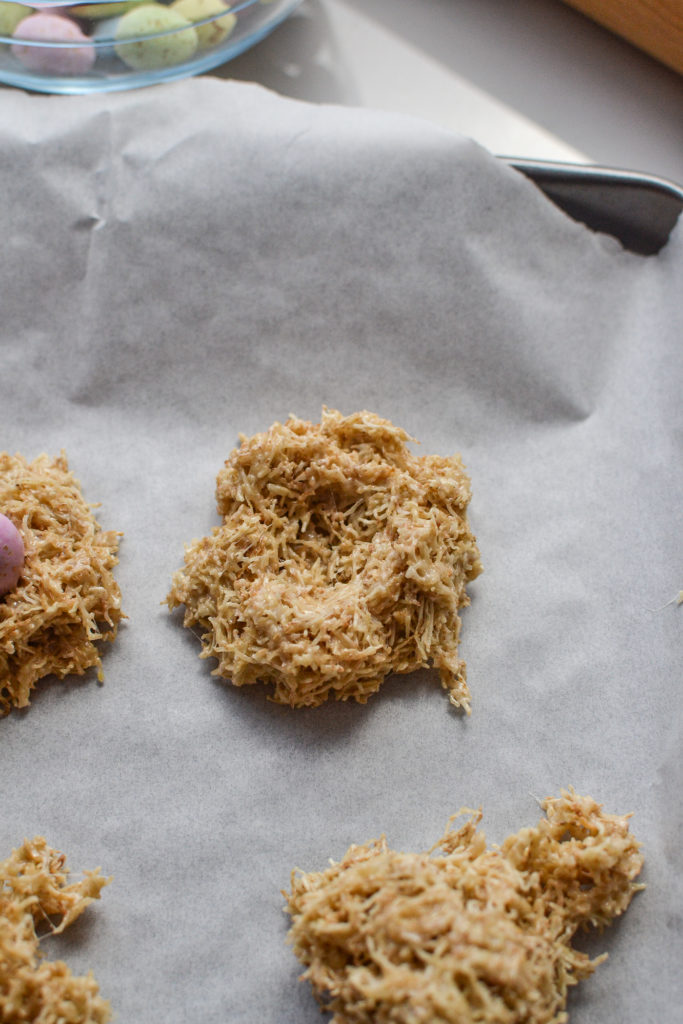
(638, 209)
(198, 311)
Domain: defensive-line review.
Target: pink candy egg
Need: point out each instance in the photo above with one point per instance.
(11, 555)
(57, 60)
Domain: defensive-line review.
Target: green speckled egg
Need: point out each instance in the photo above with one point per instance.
(96, 12)
(214, 31)
(147, 50)
(10, 16)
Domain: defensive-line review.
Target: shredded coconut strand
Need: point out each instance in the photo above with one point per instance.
(67, 598)
(35, 897)
(341, 558)
(461, 933)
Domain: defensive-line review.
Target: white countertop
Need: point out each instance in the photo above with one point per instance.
(532, 78)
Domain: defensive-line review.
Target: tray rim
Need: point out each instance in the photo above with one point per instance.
(602, 198)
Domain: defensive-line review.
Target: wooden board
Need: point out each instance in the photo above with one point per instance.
(655, 26)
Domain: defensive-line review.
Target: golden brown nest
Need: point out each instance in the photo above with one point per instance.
(341, 558)
(461, 934)
(67, 598)
(36, 896)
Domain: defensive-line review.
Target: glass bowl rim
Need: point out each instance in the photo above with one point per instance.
(109, 41)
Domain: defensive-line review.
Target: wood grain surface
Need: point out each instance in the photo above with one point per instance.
(655, 26)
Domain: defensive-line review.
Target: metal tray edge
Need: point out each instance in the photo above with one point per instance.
(640, 210)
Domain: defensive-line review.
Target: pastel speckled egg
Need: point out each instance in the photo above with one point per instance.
(104, 31)
(98, 12)
(10, 16)
(76, 59)
(159, 38)
(11, 555)
(213, 31)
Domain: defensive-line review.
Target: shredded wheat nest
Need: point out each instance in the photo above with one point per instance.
(461, 934)
(36, 896)
(67, 598)
(341, 558)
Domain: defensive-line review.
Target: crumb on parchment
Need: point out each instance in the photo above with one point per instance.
(341, 558)
(462, 934)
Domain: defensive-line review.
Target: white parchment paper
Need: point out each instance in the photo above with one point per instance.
(185, 263)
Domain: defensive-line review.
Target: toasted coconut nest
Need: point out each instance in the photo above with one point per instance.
(66, 599)
(341, 558)
(462, 933)
(36, 897)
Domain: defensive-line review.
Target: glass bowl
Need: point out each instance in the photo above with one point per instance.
(102, 46)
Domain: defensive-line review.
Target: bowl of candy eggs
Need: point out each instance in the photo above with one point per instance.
(55, 46)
